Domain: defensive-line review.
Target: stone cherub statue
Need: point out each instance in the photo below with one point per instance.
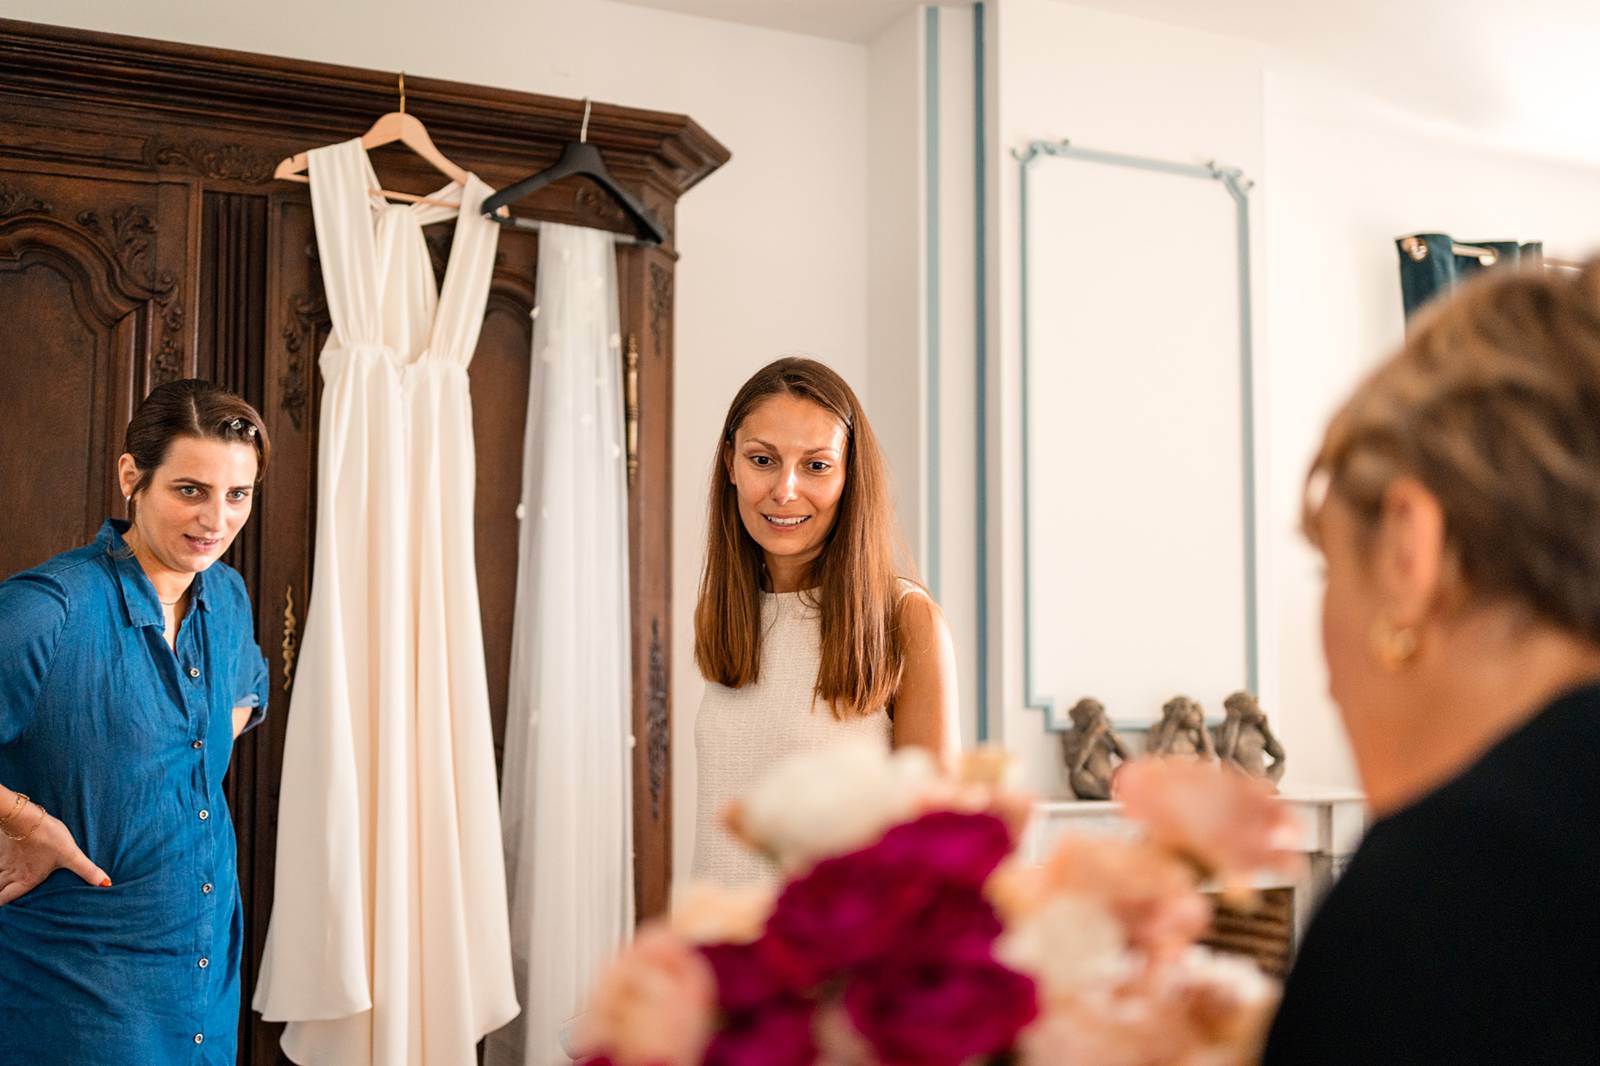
(1245, 741)
(1181, 731)
(1090, 747)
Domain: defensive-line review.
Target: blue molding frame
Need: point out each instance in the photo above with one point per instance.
(1238, 188)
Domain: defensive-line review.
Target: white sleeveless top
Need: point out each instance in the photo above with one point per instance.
(741, 733)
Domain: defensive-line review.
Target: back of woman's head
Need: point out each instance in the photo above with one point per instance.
(855, 576)
(1493, 404)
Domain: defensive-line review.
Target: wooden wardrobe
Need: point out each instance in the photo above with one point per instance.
(143, 239)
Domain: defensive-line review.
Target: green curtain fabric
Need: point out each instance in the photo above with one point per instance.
(1432, 263)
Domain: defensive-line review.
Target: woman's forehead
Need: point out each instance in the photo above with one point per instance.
(786, 422)
(196, 456)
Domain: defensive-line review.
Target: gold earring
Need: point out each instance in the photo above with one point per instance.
(1393, 647)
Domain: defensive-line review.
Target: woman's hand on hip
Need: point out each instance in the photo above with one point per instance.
(24, 864)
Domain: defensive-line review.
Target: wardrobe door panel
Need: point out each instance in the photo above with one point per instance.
(645, 276)
(90, 315)
(293, 325)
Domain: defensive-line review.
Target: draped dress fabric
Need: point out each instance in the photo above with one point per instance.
(567, 804)
(389, 941)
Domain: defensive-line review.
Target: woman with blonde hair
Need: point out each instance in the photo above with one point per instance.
(1456, 503)
(805, 632)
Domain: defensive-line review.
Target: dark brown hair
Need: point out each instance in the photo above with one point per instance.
(855, 575)
(1493, 404)
(191, 408)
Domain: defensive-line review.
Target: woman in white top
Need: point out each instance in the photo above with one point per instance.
(806, 635)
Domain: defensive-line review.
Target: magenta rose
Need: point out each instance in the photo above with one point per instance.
(957, 924)
(846, 911)
(776, 1034)
(950, 846)
(745, 979)
(939, 1014)
(849, 910)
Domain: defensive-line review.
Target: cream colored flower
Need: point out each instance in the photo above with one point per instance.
(1229, 1001)
(1068, 942)
(818, 804)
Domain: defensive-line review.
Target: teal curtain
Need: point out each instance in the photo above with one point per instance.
(1432, 263)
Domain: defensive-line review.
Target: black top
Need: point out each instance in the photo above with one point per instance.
(1466, 928)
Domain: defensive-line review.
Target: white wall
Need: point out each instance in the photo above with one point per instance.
(773, 245)
(1344, 177)
(894, 220)
(1111, 83)
(1340, 176)
(926, 425)
(954, 420)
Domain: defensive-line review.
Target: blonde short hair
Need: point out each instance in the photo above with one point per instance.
(1493, 404)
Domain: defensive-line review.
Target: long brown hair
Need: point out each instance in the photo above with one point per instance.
(857, 589)
(1493, 403)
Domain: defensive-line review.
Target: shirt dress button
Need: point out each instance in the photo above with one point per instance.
(199, 1038)
(204, 815)
(194, 671)
(206, 888)
(204, 962)
(197, 745)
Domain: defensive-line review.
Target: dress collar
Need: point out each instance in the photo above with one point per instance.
(139, 601)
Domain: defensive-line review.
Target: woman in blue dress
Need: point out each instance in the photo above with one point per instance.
(127, 670)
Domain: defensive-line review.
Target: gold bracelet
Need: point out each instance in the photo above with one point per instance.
(29, 833)
(16, 809)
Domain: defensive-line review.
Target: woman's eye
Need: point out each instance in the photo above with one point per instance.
(188, 491)
(761, 460)
(238, 495)
(820, 467)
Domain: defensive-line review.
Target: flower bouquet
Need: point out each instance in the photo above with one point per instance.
(908, 932)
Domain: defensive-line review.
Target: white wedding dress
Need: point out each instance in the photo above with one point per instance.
(389, 942)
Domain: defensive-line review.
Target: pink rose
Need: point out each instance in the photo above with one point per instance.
(939, 1014)
(1151, 894)
(653, 1005)
(1230, 825)
(1102, 1028)
(704, 913)
(1198, 1010)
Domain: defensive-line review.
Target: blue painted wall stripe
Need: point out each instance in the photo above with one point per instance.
(930, 118)
(980, 347)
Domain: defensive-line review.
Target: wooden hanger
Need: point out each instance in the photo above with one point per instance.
(392, 127)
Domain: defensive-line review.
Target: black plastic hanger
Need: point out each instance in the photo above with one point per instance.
(582, 159)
